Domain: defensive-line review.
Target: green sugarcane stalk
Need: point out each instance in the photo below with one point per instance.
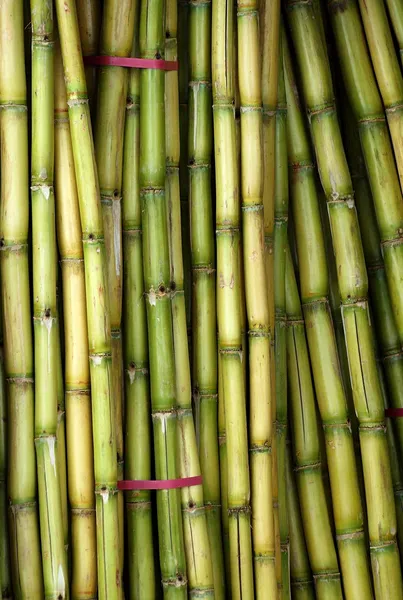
(27, 581)
(229, 312)
(157, 277)
(301, 576)
(395, 10)
(183, 83)
(54, 561)
(204, 326)
(116, 40)
(353, 287)
(140, 550)
(197, 546)
(76, 365)
(61, 434)
(389, 77)
(5, 575)
(89, 14)
(257, 305)
(280, 244)
(222, 444)
(96, 283)
(377, 150)
(269, 44)
(322, 341)
(385, 325)
(306, 449)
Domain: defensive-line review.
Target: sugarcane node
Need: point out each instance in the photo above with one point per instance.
(172, 286)
(336, 6)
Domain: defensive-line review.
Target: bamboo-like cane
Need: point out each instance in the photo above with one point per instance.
(116, 40)
(54, 561)
(280, 342)
(395, 9)
(229, 298)
(5, 573)
(76, 366)
(353, 286)
(348, 511)
(300, 569)
(389, 77)
(140, 550)
(96, 283)
(26, 565)
(204, 325)
(306, 449)
(270, 36)
(197, 545)
(157, 278)
(89, 22)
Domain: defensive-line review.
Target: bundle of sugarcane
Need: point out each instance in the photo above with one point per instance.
(243, 376)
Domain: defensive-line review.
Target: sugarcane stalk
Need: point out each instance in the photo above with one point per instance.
(257, 305)
(183, 83)
(388, 74)
(353, 287)
(5, 575)
(306, 449)
(377, 150)
(197, 546)
(140, 551)
(27, 581)
(330, 393)
(269, 44)
(96, 284)
(76, 365)
(300, 569)
(61, 433)
(229, 298)
(204, 326)
(280, 244)
(89, 14)
(116, 40)
(383, 317)
(395, 10)
(54, 561)
(157, 278)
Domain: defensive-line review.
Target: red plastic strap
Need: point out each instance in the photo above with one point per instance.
(160, 484)
(394, 412)
(136, 63)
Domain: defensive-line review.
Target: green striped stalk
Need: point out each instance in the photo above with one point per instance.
(388, 74)
(306, 449)
(353, 286)
(5, 579)
(257, 305)
(156, 268)
(96, 284)
(229, 298)
(222, 444)
(331, 397)
(76, 365)
(61, 434)
(140, 549)
(280, 244)
(116, 40)
(385, 326)
(183, 82)
(196, 537)
(366, 103)
(44, 293)
(269, 44)
(395, 9)
(204, 327)
(25, 554)
(301, 575)
(89, 22)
